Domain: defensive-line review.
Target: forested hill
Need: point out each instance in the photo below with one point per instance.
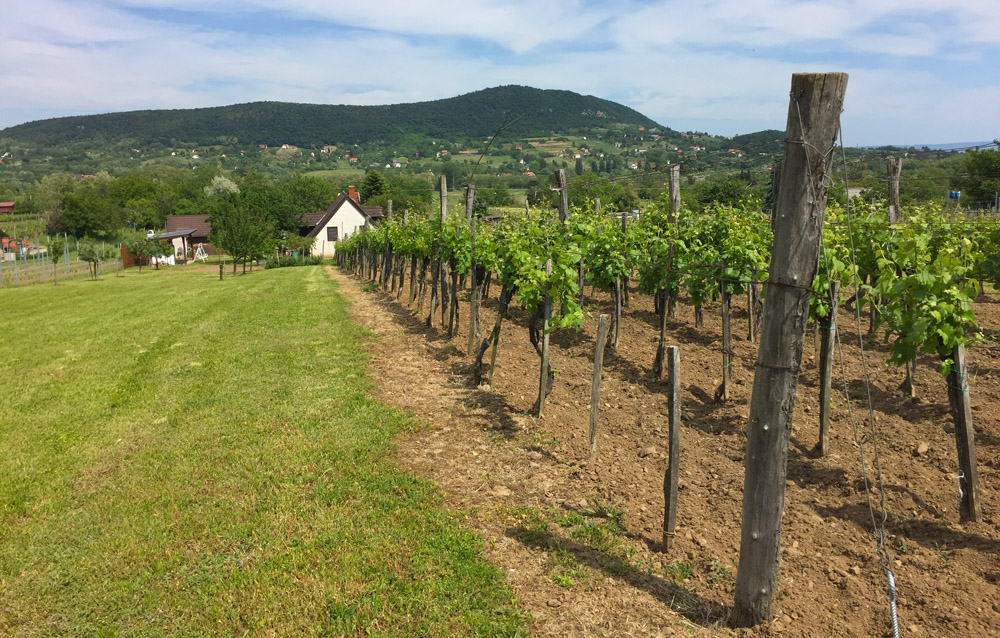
(478, 114)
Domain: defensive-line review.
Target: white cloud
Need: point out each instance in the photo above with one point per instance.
(673, 61)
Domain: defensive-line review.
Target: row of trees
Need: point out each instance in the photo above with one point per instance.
(101, 205)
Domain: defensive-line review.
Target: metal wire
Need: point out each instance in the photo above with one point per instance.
(878, 522)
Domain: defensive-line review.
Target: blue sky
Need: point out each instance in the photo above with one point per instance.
(921, 71)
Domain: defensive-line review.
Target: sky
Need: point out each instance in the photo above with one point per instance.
(921, 71)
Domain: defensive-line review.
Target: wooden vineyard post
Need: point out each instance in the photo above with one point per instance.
(402, 263)
(814, 110)
(894, 165)
(613, 337)
(543, 376)
(470, 198)
(658, 367)
(775, 189)
(595, 386)
(436, 266)
(623, 286)
(722, 393)
(673, 210)
(413, 280)
(364, 248)
(673, 445)
(828, 328)
(387, 253)
(961, 412)
(563, 187)
(581, 279)
(505, 296)
(442, 264)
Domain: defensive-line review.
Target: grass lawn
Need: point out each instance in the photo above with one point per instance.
(181, 456)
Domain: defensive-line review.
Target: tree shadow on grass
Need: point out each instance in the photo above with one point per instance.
(681, 600)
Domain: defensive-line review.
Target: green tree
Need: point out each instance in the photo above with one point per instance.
(372, 186)
(93, 254)
(141, 246)
(306, 194)
(242, 232)
(979, 177)
(89, 210)
(56, 248)
(258, 193)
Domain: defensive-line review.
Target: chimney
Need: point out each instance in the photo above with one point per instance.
(353, 194)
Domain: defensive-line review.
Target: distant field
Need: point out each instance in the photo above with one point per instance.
(338, 174)
(183, 456)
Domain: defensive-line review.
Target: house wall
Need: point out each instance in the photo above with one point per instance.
(347, 220)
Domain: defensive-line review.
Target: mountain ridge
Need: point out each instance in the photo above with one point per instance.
(475, 114)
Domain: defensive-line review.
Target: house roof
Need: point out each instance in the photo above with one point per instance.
(311, 219)
(184, 222)
(186, 232)
(373, 213)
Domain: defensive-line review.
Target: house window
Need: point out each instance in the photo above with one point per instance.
(331, 233)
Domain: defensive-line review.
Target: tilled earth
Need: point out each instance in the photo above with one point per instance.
(580, 541)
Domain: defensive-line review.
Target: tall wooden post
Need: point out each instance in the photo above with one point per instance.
(387, 253)
(474, 335)
(623, 288)
(563, 188)
(828, 327)
(895, 166)
(673, 211)
(543, 377)
(595, 386)
(443, 265)
(775, 190)
(673, 445)
(813, 121)
(722, 394)
(961, 412)
(364, 248)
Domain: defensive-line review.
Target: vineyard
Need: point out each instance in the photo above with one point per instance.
(893, 285)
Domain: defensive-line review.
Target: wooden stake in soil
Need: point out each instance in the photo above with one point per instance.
(623, 288)
(658, 366)
(442, 265)
(813, 121)
(387, 253)
(828, 328)
(563, 189)
(506, 294)
(543, 377)
(722, 393)
(894, 165)
(673, 211)
(961, 412)
(470, 198)
(595, 386)
(673, 445)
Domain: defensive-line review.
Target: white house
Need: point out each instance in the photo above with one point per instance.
(343, 218)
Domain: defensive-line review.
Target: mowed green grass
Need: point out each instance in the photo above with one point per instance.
(181, 456)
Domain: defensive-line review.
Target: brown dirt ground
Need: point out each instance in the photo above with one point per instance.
(503, 467)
